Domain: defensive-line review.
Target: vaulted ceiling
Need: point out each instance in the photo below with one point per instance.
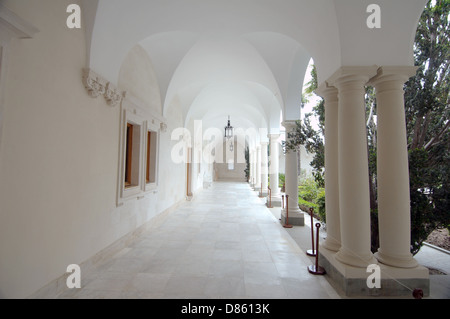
(246, 59)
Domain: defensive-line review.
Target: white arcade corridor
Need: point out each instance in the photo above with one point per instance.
(223, 244)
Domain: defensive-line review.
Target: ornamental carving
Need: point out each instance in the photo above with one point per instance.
(97, 86)
(112, 95)
(93, 83)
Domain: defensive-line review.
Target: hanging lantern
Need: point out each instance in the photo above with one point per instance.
(229, 130)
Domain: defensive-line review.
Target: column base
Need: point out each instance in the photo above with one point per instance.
(296, 218)
(276, 201)
(331, 244)
(402, 262)
(263, 193)
(352, 281)
(347, 257)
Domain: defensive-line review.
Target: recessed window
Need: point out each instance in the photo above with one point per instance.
(132, 152)
(231, 165)
(138, 151)
(150, 175)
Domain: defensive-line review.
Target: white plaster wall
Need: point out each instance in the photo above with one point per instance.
(59, 159)
(221, 167)
(237, 174)
(138, 78)
(172, 177)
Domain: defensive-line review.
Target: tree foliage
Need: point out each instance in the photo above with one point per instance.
(305, 134)
(428, 126)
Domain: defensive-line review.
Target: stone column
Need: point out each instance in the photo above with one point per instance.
(394, 215)
(258, 167)
(252, 168)
(296, 216)
(354, 201)
(274, 165)
(330, 96)
(264, 168)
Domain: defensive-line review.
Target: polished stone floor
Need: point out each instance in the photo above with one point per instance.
(223, 244)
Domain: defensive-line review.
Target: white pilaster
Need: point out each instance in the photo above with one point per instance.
(258, 167)
(330, 95)
(354, 201)
(274, 165)
(252, 167)
(264, 167)
(392, 168)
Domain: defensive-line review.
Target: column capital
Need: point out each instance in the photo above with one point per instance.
(274, 136)
(289, 124)
(399, 74)
(328, 92)
(349, 74)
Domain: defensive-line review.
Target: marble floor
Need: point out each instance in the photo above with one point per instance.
(224, 243)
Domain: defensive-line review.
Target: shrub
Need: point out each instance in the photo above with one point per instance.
(308, 190)
(312, 196)
(305, 205)
(281, 180)
(321, 205)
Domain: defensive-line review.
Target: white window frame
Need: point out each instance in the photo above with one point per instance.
(135, 112)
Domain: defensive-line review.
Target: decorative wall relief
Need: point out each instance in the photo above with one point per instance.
(112, 95)
(97, 86)
(163, 127)
(93, 83)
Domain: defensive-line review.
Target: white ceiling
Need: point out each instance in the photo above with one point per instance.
(246, 58)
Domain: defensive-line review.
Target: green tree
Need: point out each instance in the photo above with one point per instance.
(428, 126)
(247, 164)
(305, 134)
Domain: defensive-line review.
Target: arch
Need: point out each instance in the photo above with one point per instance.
(216, 60)
(334, 32)
(228, 98)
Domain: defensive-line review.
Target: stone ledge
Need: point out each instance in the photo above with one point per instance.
(395, 282)
(275, 202)
(295, 219)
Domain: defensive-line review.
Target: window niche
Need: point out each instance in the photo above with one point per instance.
(138, 151)
(132, 155)
(151, 159)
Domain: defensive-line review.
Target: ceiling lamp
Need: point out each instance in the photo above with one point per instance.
(229, 130)
(229, 133)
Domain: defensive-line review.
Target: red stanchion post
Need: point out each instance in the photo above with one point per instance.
(316, 269)
(282, 201)
(286, 225)
(311, 252)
